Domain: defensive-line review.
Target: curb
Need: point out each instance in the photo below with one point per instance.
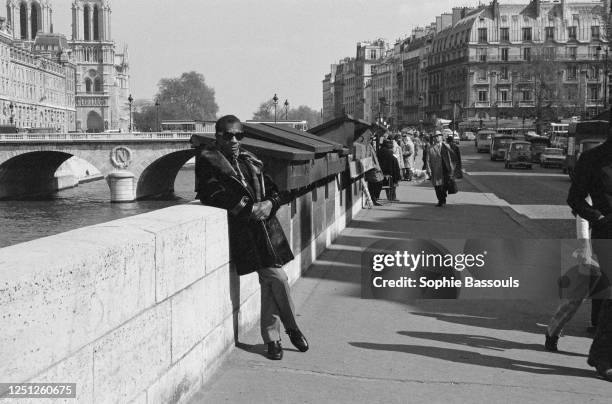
(522, 220)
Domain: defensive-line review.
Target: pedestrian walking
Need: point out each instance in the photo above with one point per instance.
(233, 179)
(458, 164)
(593, 177)
(441, 168)
(374, 177)
(390, 168)
(398, 151)
(583, 284)
(408, 156)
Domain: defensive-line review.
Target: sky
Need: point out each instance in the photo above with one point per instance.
(248, 50)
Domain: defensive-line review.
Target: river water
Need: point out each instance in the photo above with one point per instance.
(85, 205)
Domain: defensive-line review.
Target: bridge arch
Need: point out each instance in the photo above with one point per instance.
(31, 174)
(157, 178)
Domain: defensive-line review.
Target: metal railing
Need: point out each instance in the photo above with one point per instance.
(93, 137)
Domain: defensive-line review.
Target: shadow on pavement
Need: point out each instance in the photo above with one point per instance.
(475, 358)
(479, 341)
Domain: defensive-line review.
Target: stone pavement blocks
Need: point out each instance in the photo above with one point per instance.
(216, 345)
(217, 242)
(180, 257)
(199, 309)
(75, 369)
(181, 381)
(132, 357)
(60, 293)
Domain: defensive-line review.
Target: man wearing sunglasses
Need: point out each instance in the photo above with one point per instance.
(231, 178)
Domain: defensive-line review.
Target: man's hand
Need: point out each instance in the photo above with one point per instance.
(261, 210)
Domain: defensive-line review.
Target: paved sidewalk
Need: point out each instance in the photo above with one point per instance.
(371, 351)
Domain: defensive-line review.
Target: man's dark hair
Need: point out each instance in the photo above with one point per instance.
(222, 122)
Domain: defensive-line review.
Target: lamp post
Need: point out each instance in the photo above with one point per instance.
(286, 110)
(455, 102)
(157, 114)
(275, 101)
(11, 107)
(130, 101)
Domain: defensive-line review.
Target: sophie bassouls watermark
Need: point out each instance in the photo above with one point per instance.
(476, 269)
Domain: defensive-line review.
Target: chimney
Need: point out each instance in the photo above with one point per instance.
(457, 14)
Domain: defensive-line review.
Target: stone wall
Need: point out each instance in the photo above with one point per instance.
(144, 309)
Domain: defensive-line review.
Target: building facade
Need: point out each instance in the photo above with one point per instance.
(81, 84)
(544, 59)
(37, 80)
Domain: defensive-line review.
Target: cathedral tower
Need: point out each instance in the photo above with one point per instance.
(29, 17)
(102, 82)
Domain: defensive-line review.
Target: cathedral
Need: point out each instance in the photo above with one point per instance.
(81, 84)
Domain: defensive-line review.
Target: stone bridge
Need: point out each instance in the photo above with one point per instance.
(135, 165)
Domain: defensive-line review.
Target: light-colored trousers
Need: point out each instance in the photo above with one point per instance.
(276, 303)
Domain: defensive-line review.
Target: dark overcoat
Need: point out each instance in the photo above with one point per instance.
(254, 244)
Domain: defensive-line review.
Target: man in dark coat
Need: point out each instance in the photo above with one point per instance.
(231, 178)
(593, 177)
(390, 168)
(440, 167)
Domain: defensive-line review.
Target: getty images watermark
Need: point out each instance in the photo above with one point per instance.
(476, 269)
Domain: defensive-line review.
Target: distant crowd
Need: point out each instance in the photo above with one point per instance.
(412, 155)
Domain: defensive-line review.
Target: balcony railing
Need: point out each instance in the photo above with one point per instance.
(482, 104)
(556, 58)
(504, 104)
(526, 103)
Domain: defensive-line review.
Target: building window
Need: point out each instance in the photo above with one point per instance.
(526, 95)
(98, 85)
(593, 93)
(550, 33)
(482, 54)
(504, 54)
(503, 95)
(571, 33)
(572, 73)
(572, 52)
(595, 33)
(527, 54)
(527, 34)
(482, 75)
(483, 95)
(372, 53)
(550, 53)
(482, 35)
(503, 73)
(592, 72)
(504, 34)
(88, 85)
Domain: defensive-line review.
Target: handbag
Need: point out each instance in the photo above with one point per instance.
(374, 175)
(451, 186)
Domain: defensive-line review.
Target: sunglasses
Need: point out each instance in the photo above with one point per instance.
(227, 136)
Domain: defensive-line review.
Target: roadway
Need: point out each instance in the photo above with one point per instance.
(538, 194)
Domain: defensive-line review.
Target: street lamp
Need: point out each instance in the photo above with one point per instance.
(157, 116)
(455, 102)
(275, 101)
(286, 110)
(130, 101)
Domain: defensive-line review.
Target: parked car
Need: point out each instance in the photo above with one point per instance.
(468, 136)
(552, 157)
(483, 140)
(518, 154)
(499, 147)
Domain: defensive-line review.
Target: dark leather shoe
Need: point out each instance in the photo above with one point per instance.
(275, 350)
(298, 340)
(377, 204)
(551, 343)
